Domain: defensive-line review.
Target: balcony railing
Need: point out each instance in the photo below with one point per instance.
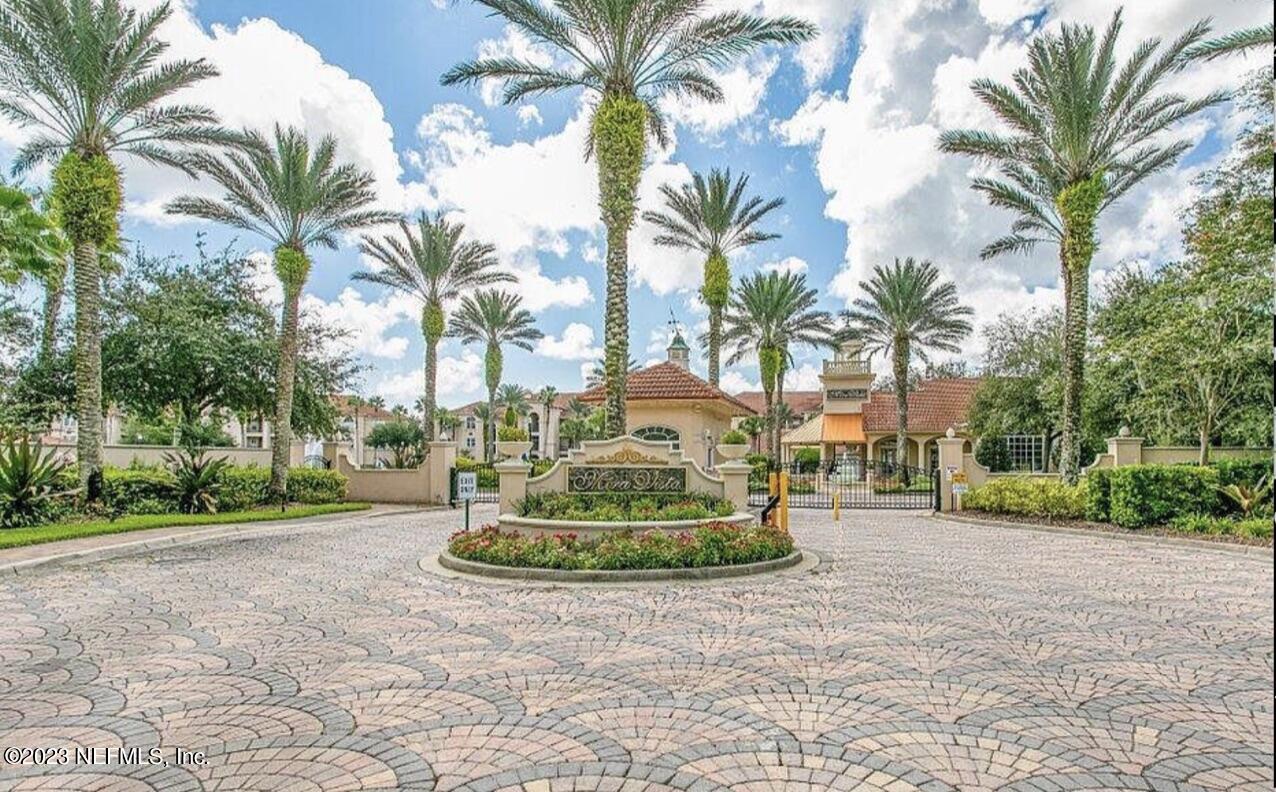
(842, 368)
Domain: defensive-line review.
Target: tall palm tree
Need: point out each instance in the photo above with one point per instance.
(1236, 42)
(908, 310)
(801, 324)
(712, 216)
(433, 265)
(513, 399)
(297, 197)
(493, 317)
(86, 74)
(753, 426)
(1082, 133)
(485, 414)
(546, 397)
(629, 54)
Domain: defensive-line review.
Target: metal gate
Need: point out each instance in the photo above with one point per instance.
(489, 488)
(854, 484)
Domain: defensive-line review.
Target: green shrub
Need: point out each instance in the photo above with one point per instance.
(487, 478)
(541, 466)
(32, 483)
(243, 487)
(1243, 472)
(124, 486)
(807, 460)
(623, 507)
(993, 453)
(511, 434)
(198, 478)
(1144, 495)
(1259, 528)
(1028, 497)
(733, 437)
(716, 544)
(1098, 494)
(314, 485)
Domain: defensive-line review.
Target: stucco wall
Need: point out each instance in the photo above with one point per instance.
(691, 421)
(125, 455)
(1173, 455)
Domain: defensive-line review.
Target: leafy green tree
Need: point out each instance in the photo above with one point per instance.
(90, 77)
(405, 439)
(1082, 133)
(768, 312)
(433, 265)
(629, 54)
(493, 318)
(712, 216)
(31, 245)
(296, 197)
(908, 310)
(1022, 388)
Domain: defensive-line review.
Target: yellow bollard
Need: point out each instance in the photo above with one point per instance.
(837, 507)
(784, 500)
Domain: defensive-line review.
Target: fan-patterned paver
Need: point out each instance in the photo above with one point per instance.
(918, 655)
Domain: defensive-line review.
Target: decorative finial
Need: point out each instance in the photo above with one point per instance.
(1124, 431)
(951, 433)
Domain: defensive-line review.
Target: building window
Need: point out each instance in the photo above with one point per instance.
(253, 426)
(253, 441)
(470, 423)
(534, 430)
(662, 434)
(469, 442)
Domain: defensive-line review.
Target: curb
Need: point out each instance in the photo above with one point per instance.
(134, 546)
(1256, 552)
(451, 562)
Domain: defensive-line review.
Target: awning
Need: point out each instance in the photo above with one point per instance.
(808, 434)
(843, 428)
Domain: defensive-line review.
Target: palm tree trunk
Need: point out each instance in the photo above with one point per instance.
(620, 128)
(715, 344)
(431, 376)
(54, 289)
(769, 404)
(901, 406)
(285, 380)
(88, 368)
(1076, 310)
(778, 430)
(492, 365)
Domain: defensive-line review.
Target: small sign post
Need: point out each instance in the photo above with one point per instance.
(959, 486)
(466, 489)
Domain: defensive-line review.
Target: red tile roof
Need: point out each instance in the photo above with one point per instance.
(342, 402)
(668, 381)
(933, 406)
(800, 402)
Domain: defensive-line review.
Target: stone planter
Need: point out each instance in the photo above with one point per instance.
(513, 449)
(733, 451)
(535, 526)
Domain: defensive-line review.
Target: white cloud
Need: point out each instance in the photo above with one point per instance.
(792, 264)
(732, 381)
(576, 343)
(528, 115)
(805, 377)
(460, 376)
(513, 43)
(743, 86)
(368, 323)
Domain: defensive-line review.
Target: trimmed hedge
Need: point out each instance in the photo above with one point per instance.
(1028, 497)
(623, 507)
(153, 490)
(1098, 494)
(1242, 472)
(1143, 495)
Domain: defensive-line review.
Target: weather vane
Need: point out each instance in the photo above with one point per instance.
(673, 321)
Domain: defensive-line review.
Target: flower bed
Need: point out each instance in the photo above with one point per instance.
(623, 508)
(711, 545)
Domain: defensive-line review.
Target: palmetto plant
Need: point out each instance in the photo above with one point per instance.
(769, 312)
(514, 400)
(629, 54)
(30, 482)
(1246, 497)
(492, 317)
(1082, 132)
(86, 76)
(907, 310)
(712, 215)
(296, 196)
(434, 265)
(198, 479)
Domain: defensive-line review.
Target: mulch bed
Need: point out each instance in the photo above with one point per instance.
(1116, 529)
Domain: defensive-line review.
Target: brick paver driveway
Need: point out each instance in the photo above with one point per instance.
(919, 655)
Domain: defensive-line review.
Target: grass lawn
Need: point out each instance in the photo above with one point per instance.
(18, 537)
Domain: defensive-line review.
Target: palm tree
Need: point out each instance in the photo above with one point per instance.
(434, 266)
(546, 397)
(907, 310)
(770, 312)
(446, 420)
(513, 399)
(485, 414)
(629, 54)
(1239, 41)
(753, 426)
(598, 373)
(296, 197)
(87, 75)
(711, 215)
(1082, 134)
(493, 317)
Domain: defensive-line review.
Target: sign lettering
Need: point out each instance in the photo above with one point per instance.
(466, 485)
(847, 393)
(588, 478)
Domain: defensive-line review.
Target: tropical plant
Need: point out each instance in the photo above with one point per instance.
(446, 420)
(30, 482)
(436, 267)
(1236, 42)
(30, 242)
(753, 426)
(598, 372)
(733, 437)
(1083, 132)
(485, 415)
(493, 318)
(769, 313)
(546, 398)
(405, 439)
(1248, 498)
(712, 216)
(513, 398)
(630, 54)
(907, 310)
(197, 479)
(508, 433)
(296, 197)
(87, 76)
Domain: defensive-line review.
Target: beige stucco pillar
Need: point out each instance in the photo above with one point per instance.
(1125, 450)
(512, 481)
(735, 483)
(441, 460)
(950, 461)
(330, 453)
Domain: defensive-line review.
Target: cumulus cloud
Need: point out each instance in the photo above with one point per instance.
(575, 343)
(792, 264)
(460, 375)
(732, 381)
(513, 43)
(743, 86)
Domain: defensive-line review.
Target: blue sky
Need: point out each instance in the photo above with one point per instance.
(842, 128)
